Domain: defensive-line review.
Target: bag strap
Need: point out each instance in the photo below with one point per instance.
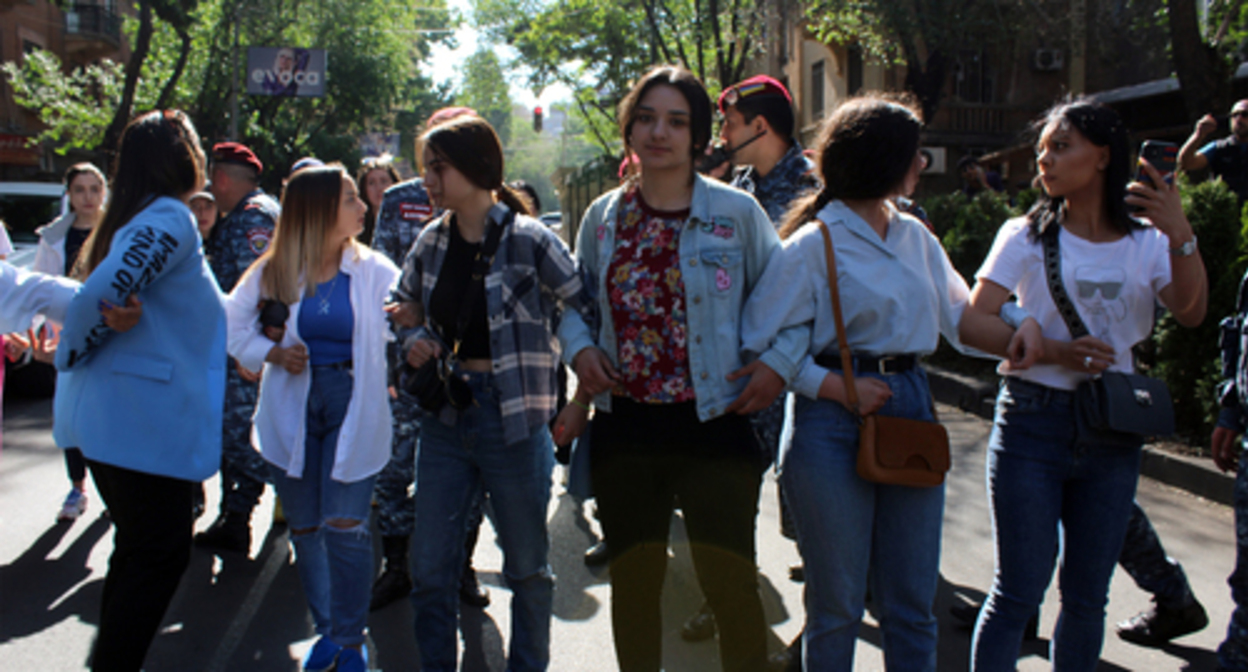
(480, 267)
(1053, 274)
(847, 360)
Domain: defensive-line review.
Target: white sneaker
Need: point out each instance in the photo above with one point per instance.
(75, 504)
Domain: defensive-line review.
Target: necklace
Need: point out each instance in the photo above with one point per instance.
(323, 308)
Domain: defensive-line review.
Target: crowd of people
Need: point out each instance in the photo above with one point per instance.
(369, 340)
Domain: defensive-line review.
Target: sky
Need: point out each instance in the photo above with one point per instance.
(447, 63)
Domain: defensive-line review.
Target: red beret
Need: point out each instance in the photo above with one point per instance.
(233, 152)
(756, 85)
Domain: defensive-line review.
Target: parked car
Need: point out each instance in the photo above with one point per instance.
(26, 206)
(554, 220)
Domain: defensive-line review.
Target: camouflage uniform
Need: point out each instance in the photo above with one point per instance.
(235, 242)
(404, 211)
(1233, 652)
(1145, 560)
(792, 177)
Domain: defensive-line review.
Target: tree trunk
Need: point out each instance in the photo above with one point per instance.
(1203, 75)
(927, 80)
(133, 68)
(166, 94)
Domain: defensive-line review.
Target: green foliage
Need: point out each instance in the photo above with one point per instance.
(76, 107)
(535, 157)
(598, 49)
(1187, 359)
(967, 227)
(485, 90)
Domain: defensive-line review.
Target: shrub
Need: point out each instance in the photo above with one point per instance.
(967, 227)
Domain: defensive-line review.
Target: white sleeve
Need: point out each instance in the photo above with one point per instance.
(26, 295)
(1004, 263)
(6, 246)
(246, 342)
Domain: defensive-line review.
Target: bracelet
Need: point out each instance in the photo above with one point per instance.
(578, 403)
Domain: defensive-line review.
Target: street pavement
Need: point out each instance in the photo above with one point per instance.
(247, 613)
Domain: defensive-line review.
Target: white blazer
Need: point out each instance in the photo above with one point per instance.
(280, 424)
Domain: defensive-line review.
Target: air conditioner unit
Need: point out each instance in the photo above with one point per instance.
(1048, 60)
(936, 160)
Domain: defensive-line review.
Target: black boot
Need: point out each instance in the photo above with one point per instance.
(231, 531)
(395, 581)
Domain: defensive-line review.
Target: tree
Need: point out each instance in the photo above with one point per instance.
(926, 35)
(485, 90)
(536, 157)
(75, 107)
(598, 49)
(373, 76)
(1204, 65)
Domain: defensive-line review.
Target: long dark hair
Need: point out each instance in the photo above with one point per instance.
(158, 155)
(470, 144)
(866, 149)
(1102, 127)
(700, 109)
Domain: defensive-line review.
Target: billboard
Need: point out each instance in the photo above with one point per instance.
(285, 71)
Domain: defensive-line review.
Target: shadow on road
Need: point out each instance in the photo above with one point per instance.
(37, 588)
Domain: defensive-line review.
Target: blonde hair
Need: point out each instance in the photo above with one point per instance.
(309, 214)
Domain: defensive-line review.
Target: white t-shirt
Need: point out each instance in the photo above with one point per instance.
(1114, 287)
(6, 247)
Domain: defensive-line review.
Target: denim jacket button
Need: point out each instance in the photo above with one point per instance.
(705, 375)
(697, 339)
(697, 300)
(693, 262)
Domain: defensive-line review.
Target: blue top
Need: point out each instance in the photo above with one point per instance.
(151, 399)
(898, 295)
(1228, 159)
(326, 320)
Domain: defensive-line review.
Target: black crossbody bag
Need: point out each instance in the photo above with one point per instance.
(434, 384)
(1114, 405)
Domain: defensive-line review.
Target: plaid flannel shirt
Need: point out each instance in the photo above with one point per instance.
(533, 270)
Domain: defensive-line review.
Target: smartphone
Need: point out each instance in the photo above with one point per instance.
(1163, 156)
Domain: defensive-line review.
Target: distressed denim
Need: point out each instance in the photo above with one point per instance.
(335, 565)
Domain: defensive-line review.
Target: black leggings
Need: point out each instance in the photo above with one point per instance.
(76, 465)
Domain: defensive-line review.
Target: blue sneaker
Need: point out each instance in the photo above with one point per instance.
(351, 660)
(322, 656)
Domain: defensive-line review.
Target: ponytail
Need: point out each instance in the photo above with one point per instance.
(803, 210)
(512, 199)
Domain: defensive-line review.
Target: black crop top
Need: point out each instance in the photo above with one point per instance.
(450, 292)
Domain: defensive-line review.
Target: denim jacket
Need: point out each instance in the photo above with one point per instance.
(724, 248)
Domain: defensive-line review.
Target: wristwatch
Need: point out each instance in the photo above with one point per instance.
(1186, 249)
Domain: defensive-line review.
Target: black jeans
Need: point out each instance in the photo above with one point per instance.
(712, 472)
(151, 549)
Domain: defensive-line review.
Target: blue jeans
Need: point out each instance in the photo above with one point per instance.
(454, 463)
(335, 563)
(1053, 494)
(851, 531)
(1233, 652)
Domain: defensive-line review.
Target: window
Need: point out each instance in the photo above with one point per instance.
(816, 90)
(973, 81)
(854, 83)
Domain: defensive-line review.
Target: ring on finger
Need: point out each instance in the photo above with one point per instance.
(1087, 362)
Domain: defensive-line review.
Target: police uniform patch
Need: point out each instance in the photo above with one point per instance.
(415, 211)
(259, 238)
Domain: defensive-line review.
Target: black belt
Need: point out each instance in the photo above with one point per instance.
(344, 365)
(885, 364)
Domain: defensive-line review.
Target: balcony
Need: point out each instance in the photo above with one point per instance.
(979, 123)
(91, 31)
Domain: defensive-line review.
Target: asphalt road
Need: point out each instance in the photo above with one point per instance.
(236, 613)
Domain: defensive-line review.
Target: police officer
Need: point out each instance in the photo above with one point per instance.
(234, 243)
(757, 133)
(405, 209)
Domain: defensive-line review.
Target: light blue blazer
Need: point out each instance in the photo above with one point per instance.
(151, 399)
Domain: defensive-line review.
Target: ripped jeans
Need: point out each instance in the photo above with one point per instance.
(328, 519)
